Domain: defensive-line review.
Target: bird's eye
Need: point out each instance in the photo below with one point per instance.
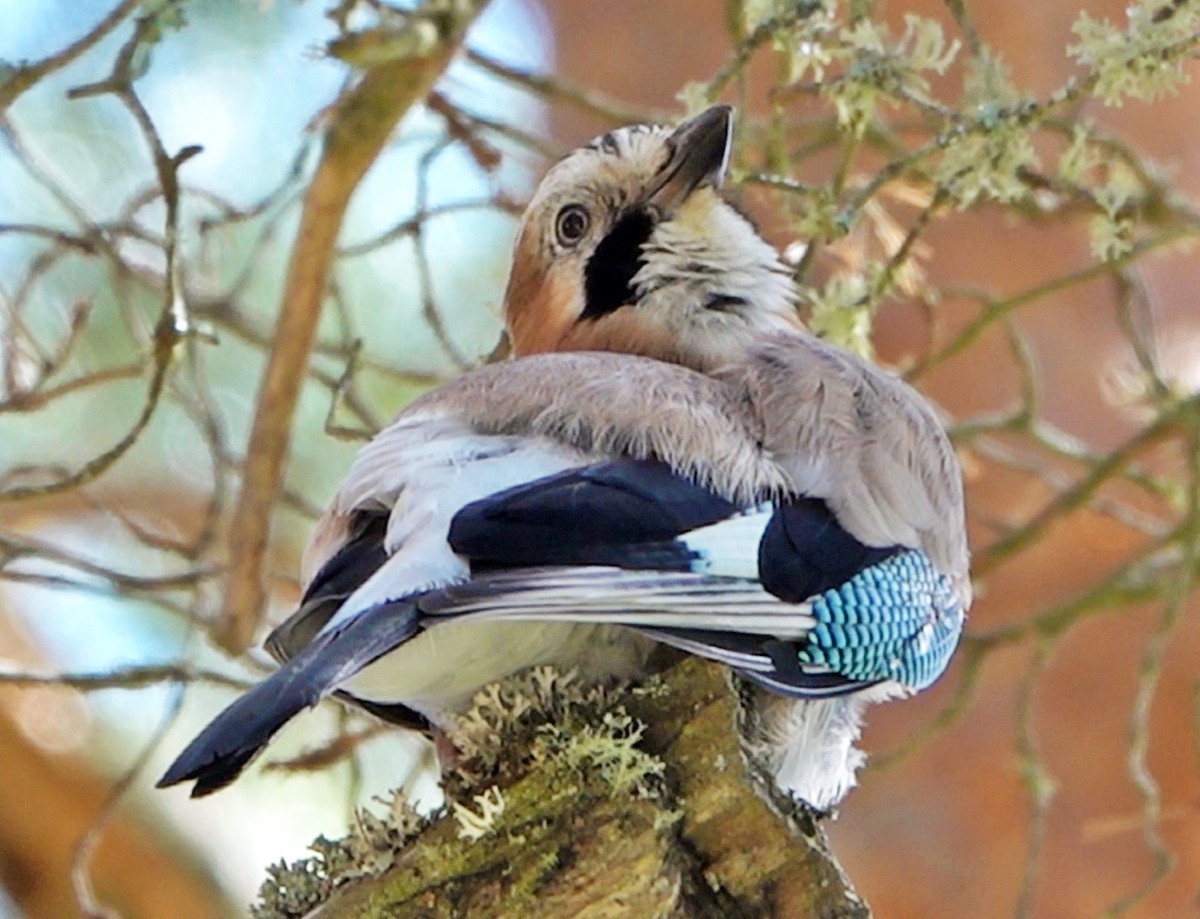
(572, 224)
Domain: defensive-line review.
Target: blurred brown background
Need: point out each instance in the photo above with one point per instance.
(946, 830)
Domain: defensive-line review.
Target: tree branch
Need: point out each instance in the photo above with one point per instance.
(26, 76)
(356, 130)
(607, 807)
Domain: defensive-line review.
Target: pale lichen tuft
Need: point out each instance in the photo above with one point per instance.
(1146, 59)
(293, 890)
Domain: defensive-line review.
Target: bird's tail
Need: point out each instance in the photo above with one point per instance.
(223, 749)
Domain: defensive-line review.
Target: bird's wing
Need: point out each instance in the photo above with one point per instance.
(779, 591)
(863, 441)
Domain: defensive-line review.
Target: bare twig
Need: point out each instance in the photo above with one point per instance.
(25, 76)
(135, 677)
(555, 90)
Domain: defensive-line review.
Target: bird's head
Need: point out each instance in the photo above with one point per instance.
(628, 246)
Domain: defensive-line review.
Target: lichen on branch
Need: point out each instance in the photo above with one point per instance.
(570, 801)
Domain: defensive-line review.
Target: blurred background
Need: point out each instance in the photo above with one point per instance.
(994, 199)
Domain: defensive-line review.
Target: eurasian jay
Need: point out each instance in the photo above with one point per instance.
(672, 459)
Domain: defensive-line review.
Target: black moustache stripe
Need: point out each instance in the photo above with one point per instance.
(608, 278)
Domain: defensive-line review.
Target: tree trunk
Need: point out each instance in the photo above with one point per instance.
(598, 805)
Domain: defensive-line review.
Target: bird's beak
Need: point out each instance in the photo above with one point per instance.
(699, 156)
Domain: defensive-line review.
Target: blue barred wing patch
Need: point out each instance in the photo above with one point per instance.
(897, 620)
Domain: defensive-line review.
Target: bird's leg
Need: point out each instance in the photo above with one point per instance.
(448, 755)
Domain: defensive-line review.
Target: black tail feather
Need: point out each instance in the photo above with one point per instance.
(223, 749)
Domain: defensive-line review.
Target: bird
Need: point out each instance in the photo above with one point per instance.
(670, 459)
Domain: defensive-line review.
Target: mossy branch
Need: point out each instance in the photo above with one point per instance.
(587, 803)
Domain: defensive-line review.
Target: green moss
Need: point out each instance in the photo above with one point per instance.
(539, 750)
